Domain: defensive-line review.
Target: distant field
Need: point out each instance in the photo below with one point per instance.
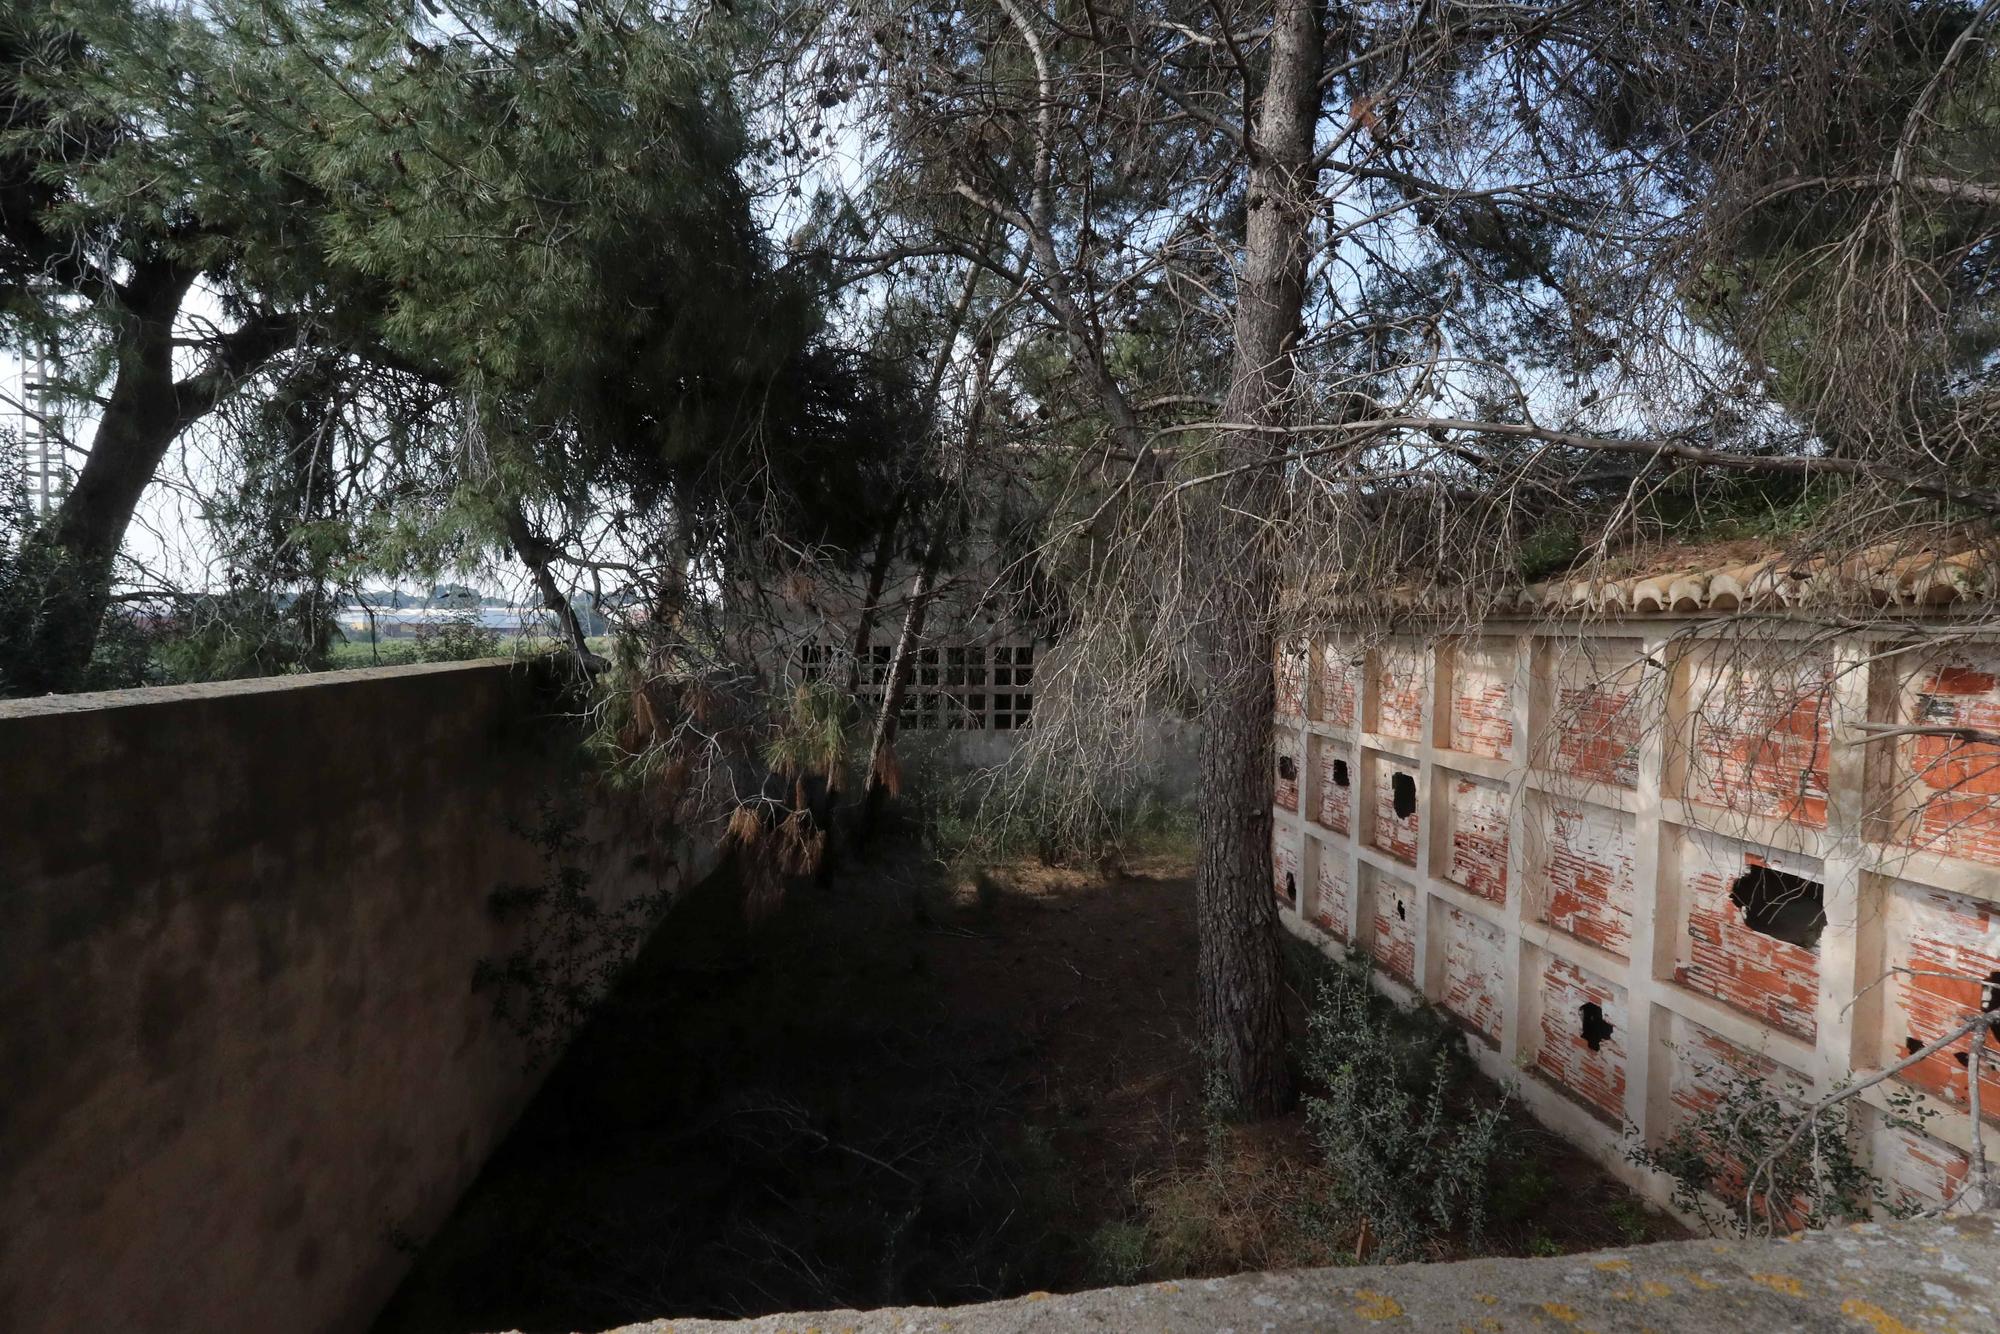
(396, 652)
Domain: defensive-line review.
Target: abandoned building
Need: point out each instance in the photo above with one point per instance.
(1632, 840)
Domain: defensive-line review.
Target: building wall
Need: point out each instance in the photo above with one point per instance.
(1617, 815)
(244, 1063)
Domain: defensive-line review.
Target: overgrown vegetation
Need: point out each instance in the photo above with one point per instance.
(459, 637)
(1404, 1151)
(1761, 1156)
(962, 826)
(915, 1088)
(1409, 1152)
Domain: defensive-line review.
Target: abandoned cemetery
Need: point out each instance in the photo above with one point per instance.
(679, 665)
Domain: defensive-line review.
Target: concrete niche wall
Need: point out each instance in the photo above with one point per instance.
(1632, 856)
(243, 1062)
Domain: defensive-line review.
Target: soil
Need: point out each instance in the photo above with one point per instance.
(907, 1088)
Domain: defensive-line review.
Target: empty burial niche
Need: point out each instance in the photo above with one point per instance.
(1403, 795)
(1286, 769)
(1783, 906)
(1340, 773)
(1291, 888)
(1595, 1027)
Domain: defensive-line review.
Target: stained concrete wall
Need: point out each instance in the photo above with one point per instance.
(1585, 800)
(243, 1065)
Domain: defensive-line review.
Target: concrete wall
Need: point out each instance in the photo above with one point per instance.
(244, 1067)
(1587, 798)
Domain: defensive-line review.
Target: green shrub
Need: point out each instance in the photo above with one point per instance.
(458, 638)
(1416, 1163)
(1807, 1171)
(1118, 1251)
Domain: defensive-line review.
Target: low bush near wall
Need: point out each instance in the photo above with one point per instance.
(1762, 1156)
(1409, 1152)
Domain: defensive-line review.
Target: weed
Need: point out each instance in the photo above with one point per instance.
(1521, 1193)
(1118, 1251)
(1633, 1220)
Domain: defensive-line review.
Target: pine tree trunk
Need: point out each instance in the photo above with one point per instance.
(76, 550)
(147, 411)
(1242, 1019)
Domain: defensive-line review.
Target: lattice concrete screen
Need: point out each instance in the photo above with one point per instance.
(1625, 862)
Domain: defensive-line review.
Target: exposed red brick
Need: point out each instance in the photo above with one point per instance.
(1931, 933)
(1335, 805)
(1476, 821)
(1760, 738)
(1595, 712)
(1285, 791)
(1953, 784)
(1291, 669)
(1482, 698)
(1773, 980)
(1596, 1078)
(1397, 837)
(1284, 868)
(1704, 1064)
(1921, 1172)
(1395, 928)
(1474, 972)
(1586, 874)
(1338, 696)
(1402, 681)
(1331, 911)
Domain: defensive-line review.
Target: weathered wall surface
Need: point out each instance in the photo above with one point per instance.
(1632, 856)
(1915, 1278)
(244, 1067)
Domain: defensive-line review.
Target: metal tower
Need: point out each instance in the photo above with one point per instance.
(45, 477)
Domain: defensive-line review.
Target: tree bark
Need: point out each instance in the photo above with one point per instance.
(884, 740)
(147, 411)
(878, 577)
(1242, 1019)
(920, 597)
(539, 557)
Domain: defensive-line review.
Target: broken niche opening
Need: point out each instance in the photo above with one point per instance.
(1340, 773)
(1403, 794)
(1781, 905)
(1287, 770)
(1595, 1028)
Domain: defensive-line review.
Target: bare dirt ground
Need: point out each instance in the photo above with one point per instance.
(907, 1088)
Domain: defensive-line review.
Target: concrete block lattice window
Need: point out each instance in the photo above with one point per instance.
(952, 687)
